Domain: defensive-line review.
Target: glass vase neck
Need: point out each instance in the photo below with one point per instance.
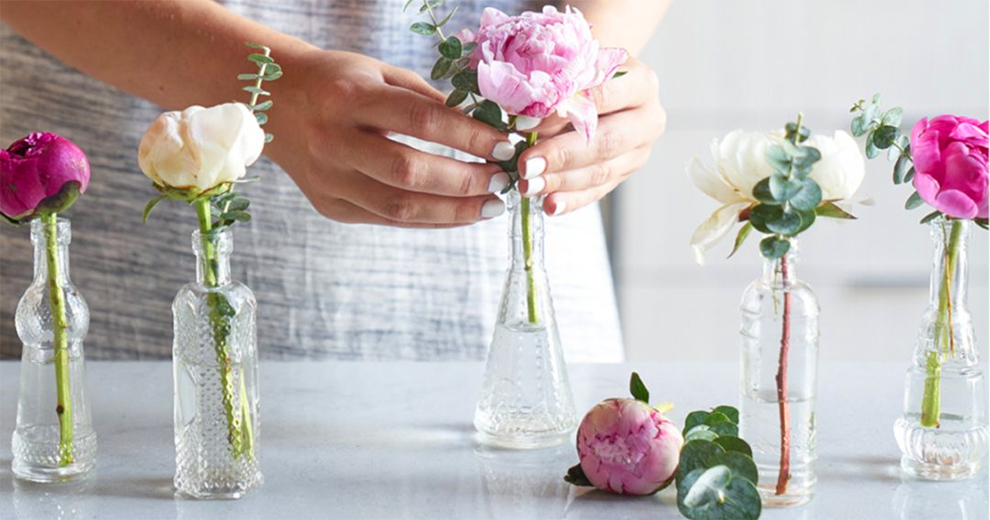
(950, 267)
(212, 251)
(40, 232)
(782, 271)
(532, 208)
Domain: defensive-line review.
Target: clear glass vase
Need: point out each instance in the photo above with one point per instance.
(942, 434)
(779, 365)
(54, 439)
(525, 397)
(215, 364)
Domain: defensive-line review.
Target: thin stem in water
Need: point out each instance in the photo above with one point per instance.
(528, 248)
(56, 300)
(785, 412)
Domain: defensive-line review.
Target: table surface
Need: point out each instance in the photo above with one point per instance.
(395, 440)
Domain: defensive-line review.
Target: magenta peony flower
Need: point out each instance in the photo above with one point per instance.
(950, 162)
(540, 63)
(41, 173)
(628, 447)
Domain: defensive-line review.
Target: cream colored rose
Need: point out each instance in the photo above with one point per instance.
(200, 148)
(741, 163)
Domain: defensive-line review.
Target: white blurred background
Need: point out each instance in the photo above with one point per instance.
(727, 64)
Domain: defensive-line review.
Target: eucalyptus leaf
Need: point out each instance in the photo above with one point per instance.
(742, 465)
(261, 117)
(717, 494)
(778, 158)
(931, 216)
(456, 98)
(734, 444)
(787, 223)
(729, 411)
(884, 136)
(809, 196)
(450, 48)
(914, 201)
(638, 389)
(698, 454)
(909, 176)
(763, 193)
(893, 116)
(440, 68)
(257, 46)
(694, 419)
(260, 59)
(467, 80)
(247, 77)
(255, 90)
(423, 29)
(859, 125)
(762, 214)
(448, 17)
(871, 149)
(773, 248)
(982, 222)
(490, 113)
(700, 432)
(808, 218)
(240, 204)
(264, 105)
(782, 189)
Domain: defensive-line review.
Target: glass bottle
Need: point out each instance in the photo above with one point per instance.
(779, 375)
(525, 397)
(49, 446)
(215, 364)
(942, 434)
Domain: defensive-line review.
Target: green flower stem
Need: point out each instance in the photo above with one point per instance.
(528, 249)
(56, 299)
(944, 339)
(241, 440)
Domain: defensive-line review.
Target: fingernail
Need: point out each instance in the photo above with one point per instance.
(524, 123)
(504, 151)
(534, 186)
(492, 209)
(558, 208)
(498, 183)
(535, 166)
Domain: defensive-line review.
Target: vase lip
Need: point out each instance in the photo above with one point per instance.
(63, 228)
(222, 240)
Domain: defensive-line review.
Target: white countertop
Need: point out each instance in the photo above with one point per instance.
(394, 440)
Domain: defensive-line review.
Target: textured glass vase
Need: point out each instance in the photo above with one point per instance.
(525, 397)
(943, 431)
(779, 371)
(215, 363)
(54, 439)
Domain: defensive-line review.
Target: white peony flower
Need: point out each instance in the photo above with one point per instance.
(741, 163)
(200, 148)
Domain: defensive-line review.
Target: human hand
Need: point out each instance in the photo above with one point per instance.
(573, 173)
(331, 119)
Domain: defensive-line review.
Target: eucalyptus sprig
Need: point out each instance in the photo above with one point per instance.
(716, 476)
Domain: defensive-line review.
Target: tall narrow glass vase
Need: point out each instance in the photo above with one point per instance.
(525, 397)
(215, 363)
(779, 373)
(943, 431)
(54, 438)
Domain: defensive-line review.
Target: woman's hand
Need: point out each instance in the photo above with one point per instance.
(574, 173)
(330, 121)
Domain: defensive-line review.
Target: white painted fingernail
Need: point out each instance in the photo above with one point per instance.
(559, 208)
(498, 183)
(504, 151)
(534, 186)
(535, 166)
(492, 209)
(524, 123)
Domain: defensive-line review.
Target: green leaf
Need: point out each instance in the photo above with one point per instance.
(931, 216)
(783, 189)
(240, 204)
(806, 157)
(884, 136)
(148, 207)
(742, 465)
(700, 432)
(272, 76)
(448, 17)
(734, 444)
(914, 201)
(773, 248)
(440, 68)
(61, 200)
(860, 125)
(893, 116)
(871, 149)
(260, 59)
(741, 237)
(456, 98)
(876, 98)
(778, 158)
(638, 389)
(715, 418)
(433, 4)
(982, 222)
(264, 105)
(423, 29)
(261, 117)
(466, 80)
(239, 216)
(720, 424)
(450, 48)
(762, 192)
(619, 73)
(257, 46)
(694, 419)
(269, 138)
(807, 219)
(761, 214)
(715, 494)
(490, 113)
(247, 77)
(468, 48)
(408, 3)
(575, 475)
(729, 411)
(808, 197)
(787, 223)
(831, 210)
(698, 454)
(909, 176)
(255, 90)
(901, 168)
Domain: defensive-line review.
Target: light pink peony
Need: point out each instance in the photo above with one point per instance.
(950, 162)
(35, 170)
(536, 64)
(628, 447)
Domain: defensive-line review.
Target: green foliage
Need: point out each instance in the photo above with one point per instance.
(575, 475)
(716, 476)
(638, 389)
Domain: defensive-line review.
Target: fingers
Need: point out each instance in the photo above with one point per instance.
(408, 79)
(348, 213)
(617, 134)
(601, 174)
(410, 113)
(409, 207)
(565, 202)
(404, 167)
(639, 86)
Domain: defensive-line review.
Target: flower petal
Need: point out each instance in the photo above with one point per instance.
(712, 230)
(711, 183)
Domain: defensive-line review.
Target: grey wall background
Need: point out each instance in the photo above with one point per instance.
(753, 64)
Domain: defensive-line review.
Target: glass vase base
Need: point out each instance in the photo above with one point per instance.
(37, 455)
(217, 492)
(791, 498)
(49, 474)
(939, 472)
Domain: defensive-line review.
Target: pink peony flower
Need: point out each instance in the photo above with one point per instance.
(40, 173)
(536, 64)
(950, 162)
(628, 447)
